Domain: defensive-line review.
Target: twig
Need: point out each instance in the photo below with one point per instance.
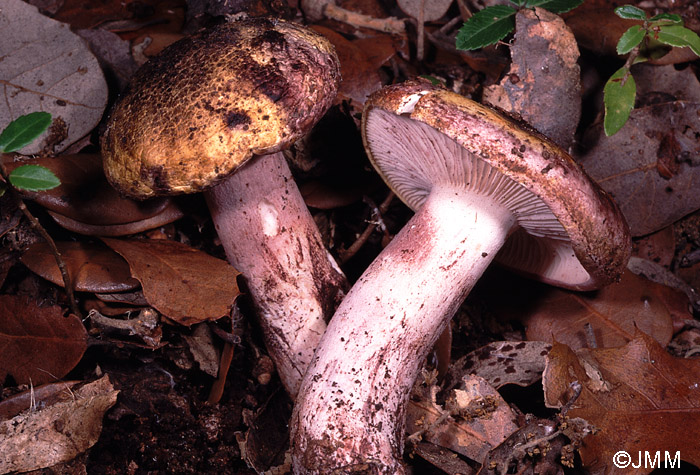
(362, 239)
(217, 388)
(67, 281)
(389, 25)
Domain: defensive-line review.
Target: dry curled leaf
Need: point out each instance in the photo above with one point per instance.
(84, 194)
(58, 432)
(46, 67)
(637, 396)
(38, 344)
(184, 284)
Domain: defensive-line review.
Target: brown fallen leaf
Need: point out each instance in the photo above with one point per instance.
(47, 67)
(626, 164)
(359, 64)
(543, 84)
(613, 312)
(184, 284)
(93, 267)
(640, 399)
(475, 418)
(56, 433)
(85, 196)
(38, 344)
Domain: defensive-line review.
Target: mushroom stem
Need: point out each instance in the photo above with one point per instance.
(271, 238)
(351, 407)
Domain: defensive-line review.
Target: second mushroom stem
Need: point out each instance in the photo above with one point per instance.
(380, 335)
(271, 238)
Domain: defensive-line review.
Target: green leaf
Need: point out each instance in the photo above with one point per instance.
(33, 178)
(629, 12)
(23, 130)
(555, 6)
(486, 27)
(619, 100)
(433, 80)
(663, 17)
(677, 35)
(630, 38)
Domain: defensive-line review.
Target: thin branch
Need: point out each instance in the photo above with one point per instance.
(36, 225)
(362, 239)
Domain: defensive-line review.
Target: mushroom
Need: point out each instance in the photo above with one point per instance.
(227, 100)
(480, 183)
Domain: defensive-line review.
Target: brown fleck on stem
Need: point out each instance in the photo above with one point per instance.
(36, 225)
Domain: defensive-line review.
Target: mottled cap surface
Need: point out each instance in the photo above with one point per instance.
(570, 233)
(209, 102)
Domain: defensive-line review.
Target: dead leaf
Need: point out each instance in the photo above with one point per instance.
(58, 433)
(84, 194)
(92, 266)
(614, 313)
(444, 459)
(598, 29)
(543, 84)
(503, 362)
(658, 247)
(205, 353)
(184, 284)
(626, 164)
(665, 84)
(432, 9)
(46, 67)
(359, 64)
(637, 396)
(38, 344)
(475, 419)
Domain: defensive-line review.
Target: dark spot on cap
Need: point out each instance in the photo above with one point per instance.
(510, 370)
(157, 177)
(236, 119)
(507, 347)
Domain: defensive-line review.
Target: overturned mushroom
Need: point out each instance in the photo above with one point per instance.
(230, 99)
(480, 184)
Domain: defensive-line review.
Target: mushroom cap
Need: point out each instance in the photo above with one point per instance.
(208, 103)
(572, 233)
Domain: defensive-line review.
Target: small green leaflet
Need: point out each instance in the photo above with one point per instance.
(555, 6)
(628, 12)
(677, 35)
(630, 38)
(23, 130)
(619, 100)
(486, 27)
(33, 178)
(663, 17)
